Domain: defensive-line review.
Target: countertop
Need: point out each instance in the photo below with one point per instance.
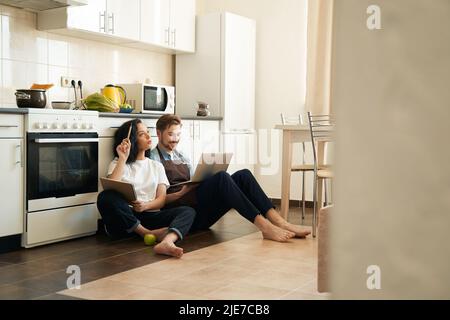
(14, 110)
(153, 116)
(115, 115)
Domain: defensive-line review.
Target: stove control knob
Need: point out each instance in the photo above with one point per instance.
(66, 125)
(91, 126)
(56, 125)
(46, 125)
(38, 125)
(84, 126)
(76, 126)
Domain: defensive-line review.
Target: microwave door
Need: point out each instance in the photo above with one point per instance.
(155, 99)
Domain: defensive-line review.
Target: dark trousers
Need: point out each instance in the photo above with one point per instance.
(222, 192)
(120, 220)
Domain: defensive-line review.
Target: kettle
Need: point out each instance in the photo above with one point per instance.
(115, 93)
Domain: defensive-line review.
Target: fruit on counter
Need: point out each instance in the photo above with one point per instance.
(100, 103)
(126, 106)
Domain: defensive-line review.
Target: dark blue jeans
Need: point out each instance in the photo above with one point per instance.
(222, 192)
(120, 220)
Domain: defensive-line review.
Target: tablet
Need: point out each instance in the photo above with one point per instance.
(125, 188)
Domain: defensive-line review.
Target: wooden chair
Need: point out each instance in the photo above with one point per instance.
(303, 167)
(321, 128)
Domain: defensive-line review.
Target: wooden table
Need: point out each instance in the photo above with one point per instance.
(293, 134)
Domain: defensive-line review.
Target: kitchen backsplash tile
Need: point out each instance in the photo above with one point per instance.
(20, 75)
(21, 41)
(29, 56)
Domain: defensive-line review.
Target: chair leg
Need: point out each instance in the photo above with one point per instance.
(303, 195)
(314, 206)
(325, 185)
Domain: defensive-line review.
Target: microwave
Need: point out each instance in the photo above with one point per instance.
(149, 98)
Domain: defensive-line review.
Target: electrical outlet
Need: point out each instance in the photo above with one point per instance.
(66, 82)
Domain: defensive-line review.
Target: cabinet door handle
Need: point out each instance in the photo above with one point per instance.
(19, 154)
(197, 129)
(7, 126)
(173, 38)
(166, 36)
(100, 24)
(111, 17)
(191, 130)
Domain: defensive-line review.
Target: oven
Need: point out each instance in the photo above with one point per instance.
(61, 180)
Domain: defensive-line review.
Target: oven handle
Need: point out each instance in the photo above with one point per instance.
(66, 140)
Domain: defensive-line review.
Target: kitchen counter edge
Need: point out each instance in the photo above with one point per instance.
(153, 116)
(116, 115)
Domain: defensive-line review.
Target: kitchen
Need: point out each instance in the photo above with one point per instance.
(43, 48)
(158, 43)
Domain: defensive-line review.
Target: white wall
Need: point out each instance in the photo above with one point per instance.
(280, 70)
(391, 98)
(28, 56)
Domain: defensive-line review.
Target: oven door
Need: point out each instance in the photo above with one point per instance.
(61, 165)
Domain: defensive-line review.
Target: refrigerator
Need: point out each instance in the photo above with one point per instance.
(221, 73)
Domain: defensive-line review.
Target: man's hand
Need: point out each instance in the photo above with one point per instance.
(185, 189)
(139, 206)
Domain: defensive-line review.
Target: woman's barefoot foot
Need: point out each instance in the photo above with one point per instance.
(159, 233)
(275, 233)
(169, 249)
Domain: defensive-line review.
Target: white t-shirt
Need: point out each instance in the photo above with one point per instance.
(145, 175)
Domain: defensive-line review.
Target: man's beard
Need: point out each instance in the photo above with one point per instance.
(170, 145)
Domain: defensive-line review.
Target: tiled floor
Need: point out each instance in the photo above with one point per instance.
(231, 261)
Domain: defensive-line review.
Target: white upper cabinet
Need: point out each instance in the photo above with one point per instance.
(155, 21)
(169, 23)
(123, 18)
(91, 17)
(158, 25)
(182, 22)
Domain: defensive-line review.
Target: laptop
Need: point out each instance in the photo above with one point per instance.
(208, 165)
(125, 188)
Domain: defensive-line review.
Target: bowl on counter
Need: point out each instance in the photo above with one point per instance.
(126, 110)
(62, 105)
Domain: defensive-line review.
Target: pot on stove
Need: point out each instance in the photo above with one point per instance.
(31, 98)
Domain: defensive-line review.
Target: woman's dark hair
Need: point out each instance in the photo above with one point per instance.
(122, 133)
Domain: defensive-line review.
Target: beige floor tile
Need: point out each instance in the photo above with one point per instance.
(278, 280)
(298, 295)
(244, 291)
(218, 274)
(103, 289)
(190, 287)
(157, 294)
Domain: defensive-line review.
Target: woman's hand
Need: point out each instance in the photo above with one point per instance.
(139, 206)
(123, 149)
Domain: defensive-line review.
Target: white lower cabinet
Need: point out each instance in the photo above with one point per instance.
(11, 187)
(199, 136)
(243, 147)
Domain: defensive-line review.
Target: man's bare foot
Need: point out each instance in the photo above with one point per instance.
(272, 232)
(299, 231)
(159, 233)
(168, 248)
(274, 217)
